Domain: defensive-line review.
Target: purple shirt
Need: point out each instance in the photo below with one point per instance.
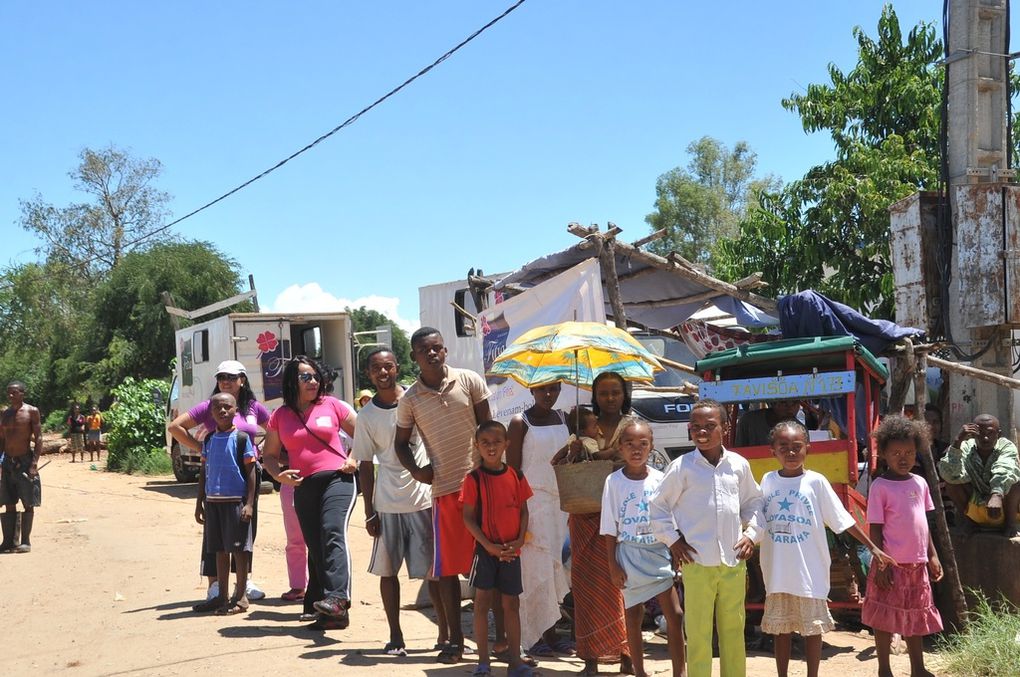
(899, 506)
(257, 414)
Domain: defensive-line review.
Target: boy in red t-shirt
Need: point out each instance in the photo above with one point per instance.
(495, 499)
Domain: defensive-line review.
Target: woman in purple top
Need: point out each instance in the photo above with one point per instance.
(231, 377)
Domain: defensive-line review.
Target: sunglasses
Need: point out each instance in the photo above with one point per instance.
(307, 378)
(227, 377)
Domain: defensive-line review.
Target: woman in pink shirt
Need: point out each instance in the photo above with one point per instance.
(308, 425)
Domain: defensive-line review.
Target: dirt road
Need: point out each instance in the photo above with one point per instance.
(109, 586)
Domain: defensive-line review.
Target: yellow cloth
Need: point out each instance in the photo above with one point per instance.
(979, 515)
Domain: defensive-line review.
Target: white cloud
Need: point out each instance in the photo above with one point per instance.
(311, 298)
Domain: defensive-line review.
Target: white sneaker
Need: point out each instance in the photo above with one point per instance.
(214, 590)
(253, 591)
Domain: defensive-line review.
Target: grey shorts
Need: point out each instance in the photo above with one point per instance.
(224, 530)
(15, 486)
(404, 537)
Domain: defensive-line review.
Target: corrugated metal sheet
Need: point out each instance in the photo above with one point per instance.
(981, 213)
(912, 243)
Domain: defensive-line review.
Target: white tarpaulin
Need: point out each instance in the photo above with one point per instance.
(575, 294)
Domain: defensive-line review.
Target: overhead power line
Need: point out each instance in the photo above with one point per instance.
(349, 121)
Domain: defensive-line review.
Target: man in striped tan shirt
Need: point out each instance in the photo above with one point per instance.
(445, 404)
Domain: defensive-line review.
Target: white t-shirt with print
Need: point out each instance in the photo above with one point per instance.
(794, 551)
(625, 507)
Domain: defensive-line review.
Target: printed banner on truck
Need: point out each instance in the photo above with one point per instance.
(575, 294)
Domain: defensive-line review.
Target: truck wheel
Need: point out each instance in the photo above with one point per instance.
(181, 472)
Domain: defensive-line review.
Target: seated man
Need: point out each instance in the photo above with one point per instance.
(982, 475)
(754, 426)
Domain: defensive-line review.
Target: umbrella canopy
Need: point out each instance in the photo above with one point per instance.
(574, 353)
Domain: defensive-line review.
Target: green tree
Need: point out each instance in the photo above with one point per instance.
(137, 428)
(830, 229)
(131, 332)
(703, 203)
(366, 319)
(125, 213)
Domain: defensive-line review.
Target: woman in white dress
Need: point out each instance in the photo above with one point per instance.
(535, 437)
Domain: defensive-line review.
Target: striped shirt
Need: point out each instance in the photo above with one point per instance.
(445, 418)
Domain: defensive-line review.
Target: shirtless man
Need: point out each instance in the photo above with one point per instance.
(20, 430)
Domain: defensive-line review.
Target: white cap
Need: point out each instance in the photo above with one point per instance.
(231, 367)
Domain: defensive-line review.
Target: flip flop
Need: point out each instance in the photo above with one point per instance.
(293, 595)
(522, 670)
(394, 649)
(232, 609)
(541, 650)
(504, 657)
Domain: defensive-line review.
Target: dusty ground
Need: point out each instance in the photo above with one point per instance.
(109, 586)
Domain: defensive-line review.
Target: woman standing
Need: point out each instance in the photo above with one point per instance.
(535, 436)
(599, 625)
(309, 426)
(232, 378)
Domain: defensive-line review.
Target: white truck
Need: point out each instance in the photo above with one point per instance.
(262, 342)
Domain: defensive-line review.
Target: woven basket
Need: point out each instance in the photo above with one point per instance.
(580, 485)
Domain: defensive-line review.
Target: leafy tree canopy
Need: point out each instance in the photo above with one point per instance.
(830, 229)
(703, 203)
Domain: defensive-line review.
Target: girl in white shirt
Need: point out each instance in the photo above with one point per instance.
(638, 563)
(799, 505)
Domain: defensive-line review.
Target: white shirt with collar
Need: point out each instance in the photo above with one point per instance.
(708, 504)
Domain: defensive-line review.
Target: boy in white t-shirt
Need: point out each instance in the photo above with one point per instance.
(799, 505)
(398, 509)
(638, 563)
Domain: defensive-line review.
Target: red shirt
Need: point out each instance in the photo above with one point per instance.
(498, 497)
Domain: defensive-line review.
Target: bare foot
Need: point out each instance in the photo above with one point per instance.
(591, 668)
(626, 665)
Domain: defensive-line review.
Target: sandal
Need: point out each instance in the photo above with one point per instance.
(483, 670)
(208, 605)
(233, 608)
(394, 649)
(504, 657)
(451, 654)
(522, 670)
(293, 595)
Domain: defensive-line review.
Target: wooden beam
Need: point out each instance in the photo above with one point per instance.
(607, 262)
(972, 372)
(751, 281)
(766, 304)
(651, 237)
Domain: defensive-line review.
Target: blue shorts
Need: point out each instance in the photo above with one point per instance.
(488, 572)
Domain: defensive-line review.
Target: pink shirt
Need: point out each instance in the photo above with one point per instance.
(899, 505)
(310, 453)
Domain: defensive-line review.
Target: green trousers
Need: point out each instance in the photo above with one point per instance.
(715, 594)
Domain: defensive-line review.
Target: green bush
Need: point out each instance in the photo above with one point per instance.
(136, 439)
(990, 646)
(56, 422)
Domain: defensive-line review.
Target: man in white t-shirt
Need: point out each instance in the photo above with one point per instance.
(398, 508)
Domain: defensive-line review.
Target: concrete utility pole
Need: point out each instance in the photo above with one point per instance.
(984, 294)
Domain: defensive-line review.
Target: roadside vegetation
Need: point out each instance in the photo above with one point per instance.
(990, 647)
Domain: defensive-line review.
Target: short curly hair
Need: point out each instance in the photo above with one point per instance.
(895, 428)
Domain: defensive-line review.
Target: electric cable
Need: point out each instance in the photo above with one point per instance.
(346, 123)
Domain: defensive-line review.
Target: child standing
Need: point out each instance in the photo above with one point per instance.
(638, 563)
(899, 598)
(700, 510)
(225, 506)
(795, 559)
(496, 513)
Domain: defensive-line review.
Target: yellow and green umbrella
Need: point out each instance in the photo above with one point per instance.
(574, 353)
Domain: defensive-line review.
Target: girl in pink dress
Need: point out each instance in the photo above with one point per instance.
(899, 598)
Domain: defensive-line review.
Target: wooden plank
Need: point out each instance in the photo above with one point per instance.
(607, 262)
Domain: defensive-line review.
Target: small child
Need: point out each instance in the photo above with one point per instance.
(899, 598)
(638, 563)
(496, 513)
(225, 506)
(795, 559)
(76, 432)
(700, 510)
(583, 425)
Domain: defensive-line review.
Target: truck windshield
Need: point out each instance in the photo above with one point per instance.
(672, 349)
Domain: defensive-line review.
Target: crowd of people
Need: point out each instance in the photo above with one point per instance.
(449, 493)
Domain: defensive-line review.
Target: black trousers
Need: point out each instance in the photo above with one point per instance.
(324, 503)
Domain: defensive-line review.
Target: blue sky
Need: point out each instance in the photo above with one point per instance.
(567, 110)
